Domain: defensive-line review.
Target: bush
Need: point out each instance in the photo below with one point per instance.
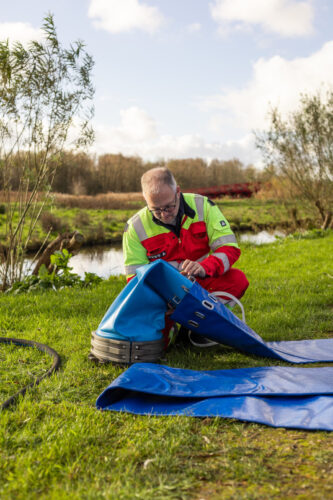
(52, 223)
(300, 148)
(82, 219)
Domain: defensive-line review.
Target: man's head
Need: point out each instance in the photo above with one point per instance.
(161, 193)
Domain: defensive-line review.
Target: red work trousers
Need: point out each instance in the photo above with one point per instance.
(234, 281)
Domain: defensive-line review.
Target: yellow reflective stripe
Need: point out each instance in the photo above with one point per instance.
(199, 203)
(225, 261)
(223, 240)
(139, 227)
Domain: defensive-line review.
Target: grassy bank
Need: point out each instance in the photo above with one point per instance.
(101, 220)
(55, 445)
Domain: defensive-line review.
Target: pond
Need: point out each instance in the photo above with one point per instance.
(261, 238)
(101, 260)
(105, 261)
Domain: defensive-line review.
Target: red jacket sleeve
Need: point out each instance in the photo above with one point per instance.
(220, 261)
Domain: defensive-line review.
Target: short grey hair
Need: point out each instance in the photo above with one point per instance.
(153, 179)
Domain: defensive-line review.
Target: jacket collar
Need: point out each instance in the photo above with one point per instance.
(184, 209)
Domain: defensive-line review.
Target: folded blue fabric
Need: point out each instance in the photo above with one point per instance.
(217, 322)
(138, 313)
(277, 396)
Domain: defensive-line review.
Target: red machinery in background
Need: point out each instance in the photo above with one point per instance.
(241, 190)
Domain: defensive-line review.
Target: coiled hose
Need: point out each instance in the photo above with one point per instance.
(40, 347)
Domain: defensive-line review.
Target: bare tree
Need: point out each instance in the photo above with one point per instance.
(301, 148)
(45, 100)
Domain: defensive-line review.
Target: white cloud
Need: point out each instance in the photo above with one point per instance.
(137, 135)
(285, 17)
(117, 16)
(19, 32)
(135, 126)
(193, 28)
(275, 82)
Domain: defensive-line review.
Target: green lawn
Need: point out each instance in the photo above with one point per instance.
(253, 214)
(55, 445)
(101, 225)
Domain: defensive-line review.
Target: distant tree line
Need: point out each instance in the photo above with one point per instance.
(83, 174)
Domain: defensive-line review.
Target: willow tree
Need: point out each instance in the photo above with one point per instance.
(45, 105)
(301, 148)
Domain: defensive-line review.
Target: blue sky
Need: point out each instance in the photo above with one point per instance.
(189, 78)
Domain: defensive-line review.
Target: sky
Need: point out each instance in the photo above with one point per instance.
(189, 78)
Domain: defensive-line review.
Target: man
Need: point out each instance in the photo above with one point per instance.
(188, 231)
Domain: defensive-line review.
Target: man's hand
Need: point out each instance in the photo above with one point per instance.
(191, 268)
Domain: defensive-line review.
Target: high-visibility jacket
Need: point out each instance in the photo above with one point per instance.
(206, 237)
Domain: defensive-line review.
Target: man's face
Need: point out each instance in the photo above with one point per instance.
(165, 204)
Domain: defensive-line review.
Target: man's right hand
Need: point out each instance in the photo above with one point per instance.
(192, 268)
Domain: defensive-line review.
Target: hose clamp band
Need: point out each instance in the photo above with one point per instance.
(125, 351)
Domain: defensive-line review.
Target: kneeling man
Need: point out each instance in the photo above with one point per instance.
(187, 230)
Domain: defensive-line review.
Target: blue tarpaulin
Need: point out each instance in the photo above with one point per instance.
(138, 314)
(221, 325)
(277, 396)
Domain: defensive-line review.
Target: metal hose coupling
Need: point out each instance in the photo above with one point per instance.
(125, 352)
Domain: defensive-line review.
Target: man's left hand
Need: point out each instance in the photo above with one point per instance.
(192, 268)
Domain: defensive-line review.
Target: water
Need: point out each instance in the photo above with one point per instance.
(105, 261)
(261, 238)
(101, 260)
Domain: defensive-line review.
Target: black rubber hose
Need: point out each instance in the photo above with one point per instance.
(40, 347)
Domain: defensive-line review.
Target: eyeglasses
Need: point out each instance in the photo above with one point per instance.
(167, 209)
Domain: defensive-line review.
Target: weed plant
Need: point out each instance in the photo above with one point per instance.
(60, 277)
(54, 444)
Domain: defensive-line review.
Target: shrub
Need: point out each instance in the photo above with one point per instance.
(52, 223)
(278, 188)
(82, 219)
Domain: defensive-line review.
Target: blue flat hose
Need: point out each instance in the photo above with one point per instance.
(40, 347)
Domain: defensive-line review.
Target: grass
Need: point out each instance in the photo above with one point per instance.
(255, 214)
(54, 444)
(101, 220)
